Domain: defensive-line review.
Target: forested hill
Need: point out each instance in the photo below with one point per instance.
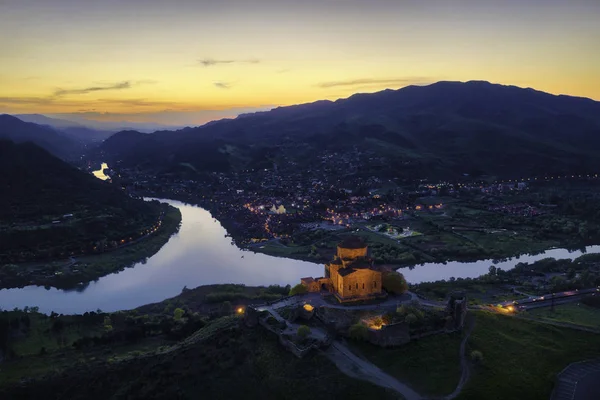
(444, 129)
(38, 189)
(59, 144)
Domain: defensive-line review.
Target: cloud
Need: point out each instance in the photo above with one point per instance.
(209, 62)
(25, 100)
(370, 81)
(114, 86)
(222, 85)
(138, 102)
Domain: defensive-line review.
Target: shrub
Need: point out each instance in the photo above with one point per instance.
(395, 283)
(107, 324)
(303, 331)
(358, 331)
(298, 289)
(276, 289)
(178, 313)
(411, 318)
(477, 356)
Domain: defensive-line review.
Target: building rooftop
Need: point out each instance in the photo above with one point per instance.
(336, 261)
(361, 263)
(346, 271)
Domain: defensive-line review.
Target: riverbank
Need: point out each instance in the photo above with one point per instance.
(76, 272)
(466, 231)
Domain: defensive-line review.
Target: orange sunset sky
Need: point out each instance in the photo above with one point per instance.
(187, 62)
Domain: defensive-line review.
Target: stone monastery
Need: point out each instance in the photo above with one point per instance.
(351, 275)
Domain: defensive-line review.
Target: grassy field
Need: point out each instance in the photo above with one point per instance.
(430, 365)
(41, 335)
(234, 364)
(522, 358)
(572, 313)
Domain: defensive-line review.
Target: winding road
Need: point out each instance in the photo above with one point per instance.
(356, 367)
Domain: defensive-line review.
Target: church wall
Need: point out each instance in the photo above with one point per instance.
(312, 286)
(361, 283)
(333, 274)
(351, 253)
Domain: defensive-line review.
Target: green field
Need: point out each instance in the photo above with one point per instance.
(521, 358)
(41, 335)
(230, 364)
(572, 313)
(430, 365)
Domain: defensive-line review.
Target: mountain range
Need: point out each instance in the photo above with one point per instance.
(56, 142)
(441, 130)
(92, 124)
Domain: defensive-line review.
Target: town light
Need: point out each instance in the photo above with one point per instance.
(240, 310)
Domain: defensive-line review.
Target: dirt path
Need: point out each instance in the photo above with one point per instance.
(358, 368)
(464, 363)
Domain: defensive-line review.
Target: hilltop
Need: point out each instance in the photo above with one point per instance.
(57, 143)
(61, 209)
(441, 130)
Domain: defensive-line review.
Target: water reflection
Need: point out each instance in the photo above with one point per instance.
(200, 254)
(429, 272)
(100, 173)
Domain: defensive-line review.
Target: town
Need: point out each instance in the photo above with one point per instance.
(285, 211)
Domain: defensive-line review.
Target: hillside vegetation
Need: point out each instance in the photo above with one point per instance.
(61, 210)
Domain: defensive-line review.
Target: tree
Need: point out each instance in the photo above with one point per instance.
(395, 283)
(178, 313)
(107, 324)
(226, 306)
(477, 356)
(298, 289)
(303, 332)
(57, 325)
(411, 318)
(359, 331)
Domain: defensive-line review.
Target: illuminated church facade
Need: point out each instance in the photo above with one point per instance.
(351, 275)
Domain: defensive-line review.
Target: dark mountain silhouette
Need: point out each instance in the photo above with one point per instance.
(102, 127)
(444, 129)
(71, 129)
(48, 138)
(40, 119)
(39, 188)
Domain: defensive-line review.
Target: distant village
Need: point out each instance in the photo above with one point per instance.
(277, 202)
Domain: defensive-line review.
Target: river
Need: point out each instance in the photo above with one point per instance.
(100, 172)
(200, 254)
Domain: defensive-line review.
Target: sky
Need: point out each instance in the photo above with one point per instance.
(190, 61)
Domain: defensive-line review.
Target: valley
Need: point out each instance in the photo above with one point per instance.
(177, 261)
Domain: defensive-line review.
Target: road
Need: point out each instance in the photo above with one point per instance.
(546, 300)
(356, 367)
